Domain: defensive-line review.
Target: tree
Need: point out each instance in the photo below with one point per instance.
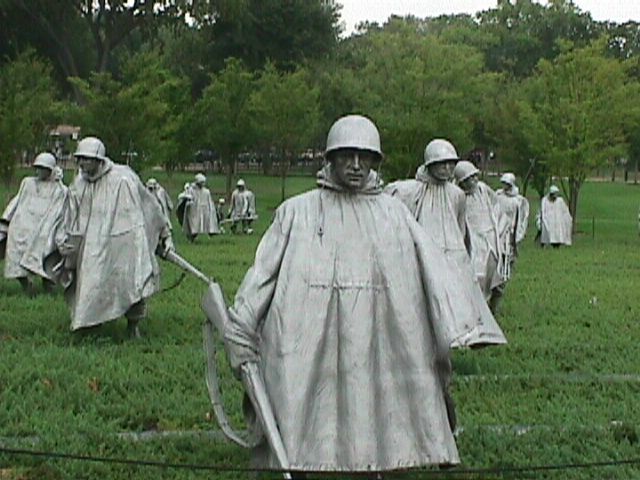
(417, 87)
(285, 33)
(82, 36)
(526, 31)
(582, 115)
(27, 107)
(624, 39)
(139, 115)
(518, 137)
(285, 114)
(220, 117)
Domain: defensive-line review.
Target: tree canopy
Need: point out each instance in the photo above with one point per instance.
(545, 87)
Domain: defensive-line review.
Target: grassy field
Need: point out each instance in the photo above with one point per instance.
(564, 390)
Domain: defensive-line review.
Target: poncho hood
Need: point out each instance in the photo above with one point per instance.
(372, 186)
(104, 167)
(512, 192)
(422, 174)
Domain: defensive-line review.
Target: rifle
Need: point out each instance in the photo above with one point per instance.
(239, 219)
(217, 317)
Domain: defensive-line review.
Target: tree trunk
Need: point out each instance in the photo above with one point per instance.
(230, 170)
(284, 166)
(635, 172)
(574, 191)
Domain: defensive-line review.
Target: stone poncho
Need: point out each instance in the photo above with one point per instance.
(200, 215)
(487, 228)
(516, 208)
(164, 199)
(31, 216)
(243, 204)
(439, 207)
(350, 323)
(120, 223)
(554, 222)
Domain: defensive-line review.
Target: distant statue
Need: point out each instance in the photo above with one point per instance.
(243, 208)
(27, 224)
(554, 220)
(162, 196)
(515, 206)
(196, 209)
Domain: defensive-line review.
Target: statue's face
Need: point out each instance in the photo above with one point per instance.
(470, 183)
(442, 171)
(351, 167)
(89, 165)
(506, 186)
(42, 173)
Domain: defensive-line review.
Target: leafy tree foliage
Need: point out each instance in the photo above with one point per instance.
(526, 31)
(220, 119)
(138, 118)
(285, 33)
(416, 87)
(518, 137)
(27, 108)
(583, 100)
(284, 112)
(81, 36)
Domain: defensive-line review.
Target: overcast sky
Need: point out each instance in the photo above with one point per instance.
(355, 11)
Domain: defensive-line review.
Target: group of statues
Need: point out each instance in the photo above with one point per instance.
(357, 294)
(198, 213)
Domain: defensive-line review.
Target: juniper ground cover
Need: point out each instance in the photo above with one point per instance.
(564, 390)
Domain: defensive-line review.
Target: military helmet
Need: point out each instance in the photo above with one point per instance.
(45, 160)
(200, 178)
(553, 189)
(354, 131)
(508, 178)
(91, 147)
(240, 183)
(464, 170)
(440, 150)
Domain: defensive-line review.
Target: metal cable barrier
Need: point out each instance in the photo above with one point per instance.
(446, 473)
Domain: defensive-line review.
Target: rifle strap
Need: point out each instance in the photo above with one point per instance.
(243, 438)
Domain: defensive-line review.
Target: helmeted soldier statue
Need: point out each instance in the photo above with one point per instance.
(196, 209)
(349, 311)
(488, 231)
(243, 208)
(162, 196)
(27, 223)
(515, 206)
(554, 220)
(439, 207)
(108, 236)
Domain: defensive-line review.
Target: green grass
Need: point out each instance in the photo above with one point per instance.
(73, 393)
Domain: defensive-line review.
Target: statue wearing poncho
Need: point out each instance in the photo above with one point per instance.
(110, 231)
(28, 221)
(439, 207)
(351, 328)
